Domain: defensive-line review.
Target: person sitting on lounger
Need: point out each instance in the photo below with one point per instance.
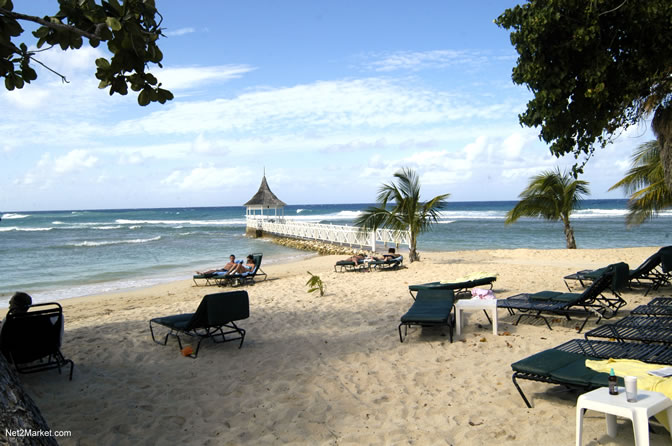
(246, 267)
(225, 269)
(19, 303)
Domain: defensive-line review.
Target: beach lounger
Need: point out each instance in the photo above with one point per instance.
(210, 278)
(387, 264)
(215, 313)
(592, 302)
(431, 307)
(654, 272)
(457, 287)
(660, 306)
(32, 340)
(249, 277)
(348, 265)
(636, 328)
(566, 363)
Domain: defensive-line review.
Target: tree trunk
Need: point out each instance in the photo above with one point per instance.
(18, 411)
(662, 128)
(569, 235)
(413, 253)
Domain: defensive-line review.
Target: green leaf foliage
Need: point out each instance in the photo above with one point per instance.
(645, 183)
(552, 195)
(315, 284)
(594, 67)
(130, 28)
(399, 208)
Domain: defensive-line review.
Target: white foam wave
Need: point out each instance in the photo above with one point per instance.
(57, 222)
(233, 221)
(13, 216)
(108, 227)
(135, 227)
(298, 211)
(116, 242)
(16, 228)
(445, 222)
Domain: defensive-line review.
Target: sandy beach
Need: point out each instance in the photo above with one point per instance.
(325, 370)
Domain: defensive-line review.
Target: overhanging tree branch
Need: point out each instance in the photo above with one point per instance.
(49, 24)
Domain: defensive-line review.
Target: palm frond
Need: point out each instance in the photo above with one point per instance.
(551, 195)
(645, 183)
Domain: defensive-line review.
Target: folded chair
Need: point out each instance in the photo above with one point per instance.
(31, 340)
(457, 287)
(243, 278)
(566, 363)
(431, 307)
(215, 313)
(591, 302)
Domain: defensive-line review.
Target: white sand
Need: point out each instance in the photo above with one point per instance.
(324, 370)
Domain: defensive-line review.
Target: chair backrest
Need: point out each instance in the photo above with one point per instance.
(647, 265)
(621, 276)
(614, 277)
(257, 262)
(219, 309)
(435, 294)
(32, 335)
(666, 258)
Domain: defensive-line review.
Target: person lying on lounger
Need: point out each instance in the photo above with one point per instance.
(391, 254)
(358, 258)
(224, 269)
(246, 267)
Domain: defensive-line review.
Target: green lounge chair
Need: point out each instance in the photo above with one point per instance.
(566, 363)
(215, 313)
(244, 278)
(31, 340)
(210, 278)
(348, 265)
(653, 273)
(636, 328)
(592, 302)
(390, 263)
(431, 307)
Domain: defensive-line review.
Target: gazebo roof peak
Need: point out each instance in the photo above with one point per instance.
(264, 197)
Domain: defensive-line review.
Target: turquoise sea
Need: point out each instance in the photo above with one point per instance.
(54, 255)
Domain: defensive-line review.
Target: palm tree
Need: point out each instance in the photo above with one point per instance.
(645, 183)
(406, 211)
(551, 195)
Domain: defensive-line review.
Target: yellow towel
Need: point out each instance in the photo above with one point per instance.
(630, 367)
(472, 276)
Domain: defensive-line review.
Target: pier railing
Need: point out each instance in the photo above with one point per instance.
(338, 234)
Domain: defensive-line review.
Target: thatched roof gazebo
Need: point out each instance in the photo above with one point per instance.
(264, 199)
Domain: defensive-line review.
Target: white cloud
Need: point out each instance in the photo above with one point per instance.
(180, 32)
(208, 178)
(48, 168)
(320, 107)
(179, 78)
(74, 160)
(419, 60)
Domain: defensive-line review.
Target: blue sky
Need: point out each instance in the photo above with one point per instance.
(331, 97)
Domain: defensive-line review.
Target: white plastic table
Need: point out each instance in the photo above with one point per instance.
(647, 405)
(475, 304)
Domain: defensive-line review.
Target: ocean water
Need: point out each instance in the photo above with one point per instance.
(54, 255)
